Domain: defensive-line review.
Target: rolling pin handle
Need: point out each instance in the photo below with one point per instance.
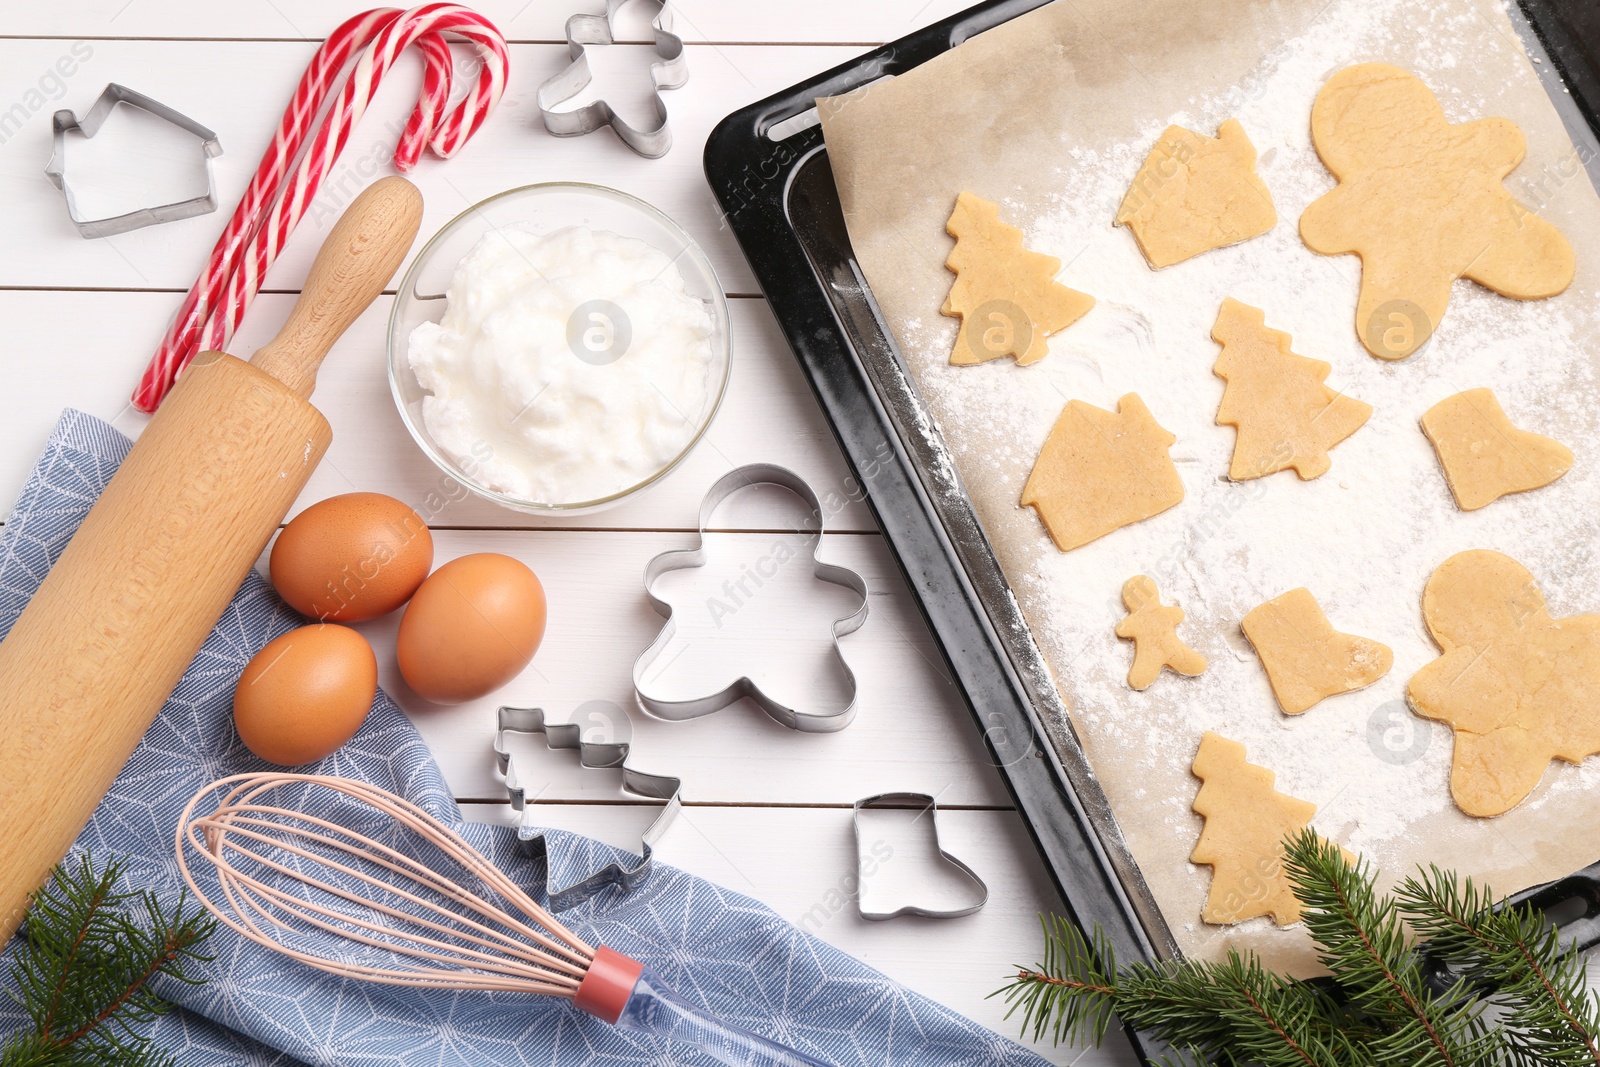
(367, 245)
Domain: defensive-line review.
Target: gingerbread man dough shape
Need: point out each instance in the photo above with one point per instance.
(1005, 296)
(1247, 824)
(1195, 193)
(1153, 628)
(1518, 687)
(1305, 657)
(1421, 201)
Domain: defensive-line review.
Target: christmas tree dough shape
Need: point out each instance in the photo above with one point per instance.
(1247, 822)
(1518, 687)
(1004, 295)
(1276, 400)
(1195, 193)
(1421, 201)
(1153, 629)
(1099, 471)
(1485, 457)
(1305, 657)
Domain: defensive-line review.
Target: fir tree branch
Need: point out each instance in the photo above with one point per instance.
(1364, 944)
(1552, 1018)
(85, 969)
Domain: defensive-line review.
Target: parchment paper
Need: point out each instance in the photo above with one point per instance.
(1017, 115)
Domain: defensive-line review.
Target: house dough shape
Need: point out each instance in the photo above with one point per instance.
(1195, 193)
(1101, 470)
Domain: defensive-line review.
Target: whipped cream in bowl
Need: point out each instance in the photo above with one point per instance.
(559, 347)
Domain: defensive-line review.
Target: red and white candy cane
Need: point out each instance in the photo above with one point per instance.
(277, 198)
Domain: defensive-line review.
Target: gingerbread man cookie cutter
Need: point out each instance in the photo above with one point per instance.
(670, 72)
(678, 709)
(609, 752)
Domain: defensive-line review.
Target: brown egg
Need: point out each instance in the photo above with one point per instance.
(471, 628)
(351, 558)
(305, 694)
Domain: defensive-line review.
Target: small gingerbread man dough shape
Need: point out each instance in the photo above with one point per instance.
(1518, 687)
(1100, 470)
(1305, 657)
(1275, 399)
(1195, 193)
(1005, 296)
(1421, 201)
(1247, 825)
(1153, 628)
(1485, 457)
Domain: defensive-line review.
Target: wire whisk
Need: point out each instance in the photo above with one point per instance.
(358, 882)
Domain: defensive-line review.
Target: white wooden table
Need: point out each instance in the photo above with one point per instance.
(768, 810)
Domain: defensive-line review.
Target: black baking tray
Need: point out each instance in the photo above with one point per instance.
(777, 196)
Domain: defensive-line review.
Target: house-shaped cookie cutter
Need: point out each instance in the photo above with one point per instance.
(809, 721)
(671, 71)
(609, 752)
(66, 121)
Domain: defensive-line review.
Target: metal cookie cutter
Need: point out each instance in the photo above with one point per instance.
(672, 72)
(597, 753)
(930, 806)
(65, 121)
(680, 559)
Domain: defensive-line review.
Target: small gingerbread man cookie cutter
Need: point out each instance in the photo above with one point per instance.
(678, 709)
(670, 72)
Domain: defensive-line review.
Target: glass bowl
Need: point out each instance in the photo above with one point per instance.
(542, 209)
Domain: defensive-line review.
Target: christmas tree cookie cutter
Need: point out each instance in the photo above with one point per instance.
(678, 709)
(670, 72)
(65, 122)
(608, 751)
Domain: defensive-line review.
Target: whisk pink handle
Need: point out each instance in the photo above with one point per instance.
(623, 992)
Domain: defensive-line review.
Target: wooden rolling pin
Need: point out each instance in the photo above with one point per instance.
(120, 616)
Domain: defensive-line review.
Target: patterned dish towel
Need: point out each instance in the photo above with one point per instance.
(714, 946)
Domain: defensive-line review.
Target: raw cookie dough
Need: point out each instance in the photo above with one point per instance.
(1099, 471)
(1485, 457)
(1518, 687)
(1247, 823)
(1195, 193)
(1420, 200)
(1305, 657)
(1153, 629)
(1276, 400)
(1004, 295)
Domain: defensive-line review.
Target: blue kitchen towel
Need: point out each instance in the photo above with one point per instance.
(723, 949)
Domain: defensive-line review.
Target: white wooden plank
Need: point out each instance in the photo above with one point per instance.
(775, 21)
(799, 862)
(240, 91)
(86, 349)
(912, 730)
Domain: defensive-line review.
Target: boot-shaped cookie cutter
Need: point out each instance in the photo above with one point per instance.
(929, 806)
(63, 122)
(671, 72)
(610, 753)
(680, 559)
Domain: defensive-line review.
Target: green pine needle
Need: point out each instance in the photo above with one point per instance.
(1518, 998)
(84, 972)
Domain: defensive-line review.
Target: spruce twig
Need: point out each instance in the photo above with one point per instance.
(1379, 1007)
(1550, 1015)
(84, 972)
